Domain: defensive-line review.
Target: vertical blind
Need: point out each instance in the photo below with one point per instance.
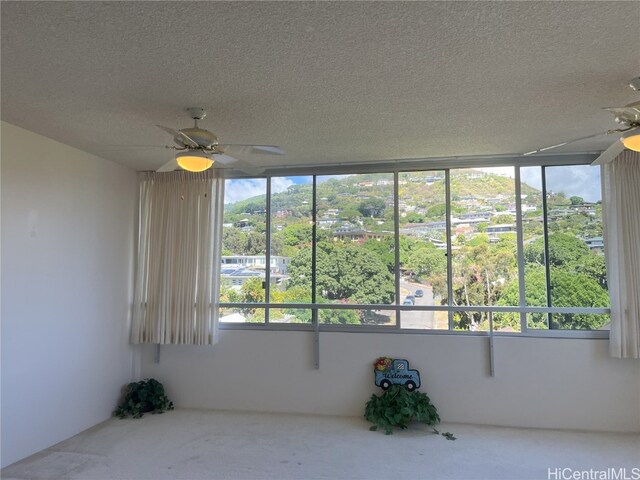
(178, 258)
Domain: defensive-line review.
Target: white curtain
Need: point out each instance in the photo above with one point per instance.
(621, 215)
(178, 260)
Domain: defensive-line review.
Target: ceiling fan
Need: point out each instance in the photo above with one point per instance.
(198, 148)
(628, 117)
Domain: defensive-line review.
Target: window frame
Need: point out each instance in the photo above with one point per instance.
(395, 168)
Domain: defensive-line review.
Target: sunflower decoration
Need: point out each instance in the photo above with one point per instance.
(382, 364)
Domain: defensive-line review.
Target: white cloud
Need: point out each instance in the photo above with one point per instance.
(236, 190)
(532, 176)
(325, 178)
(241, 189)
(280, 184)
(582, 181)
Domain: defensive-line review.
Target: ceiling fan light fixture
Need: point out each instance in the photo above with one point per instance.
(631, 140)
(194, 161)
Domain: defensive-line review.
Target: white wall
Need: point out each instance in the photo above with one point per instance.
(550, 383)
(67, 243)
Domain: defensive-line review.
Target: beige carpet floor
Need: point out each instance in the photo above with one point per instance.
(201, 444)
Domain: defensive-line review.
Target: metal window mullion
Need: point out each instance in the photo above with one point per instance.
(520, 250)
(267, 284)
(545, 229)
(292, 327)
(396, 229)
(314, 227)
(434, 308)
(492, 370)
(314, 311)
(447, 179)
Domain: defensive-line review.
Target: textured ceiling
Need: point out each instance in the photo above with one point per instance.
(330, 82)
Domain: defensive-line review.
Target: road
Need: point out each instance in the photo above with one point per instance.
(417, 319)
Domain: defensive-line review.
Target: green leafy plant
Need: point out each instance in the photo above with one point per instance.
(142, 397)
(398, 407)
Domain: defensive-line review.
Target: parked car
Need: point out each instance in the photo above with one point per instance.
(407, 301)
(419, 293)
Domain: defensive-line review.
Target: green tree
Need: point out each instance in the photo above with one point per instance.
(372, 207)
(237, 242)
(480, 272)
(299, 270)
(564, 249)
(253, 290)
(228, 293)
(256, 244)
(427, 260)
(383, 249)
(254, 205)
(594, 266)
(568, 290)
(339, 317)
(407, 246)
(234, 241)
(437, 211)
(297, 234)
(344, 271)
(277, 244)
(414, 218)
(501, 219)
(350, 213)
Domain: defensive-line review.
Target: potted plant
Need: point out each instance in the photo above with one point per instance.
(400, 403)
(142, 397)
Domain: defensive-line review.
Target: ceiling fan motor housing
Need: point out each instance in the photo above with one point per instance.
(197, 113)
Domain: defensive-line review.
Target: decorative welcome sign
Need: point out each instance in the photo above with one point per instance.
(395, 371)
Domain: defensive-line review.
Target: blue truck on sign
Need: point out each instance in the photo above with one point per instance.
(390, 371)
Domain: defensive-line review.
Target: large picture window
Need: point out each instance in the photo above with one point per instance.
(505, 249)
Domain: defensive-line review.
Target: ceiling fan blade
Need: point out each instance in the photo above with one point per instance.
(113, 149)
(630, 113)
(170, 166)
(170, 131)
(610, 153)
(544, 149)
(249, 169)
(253, 149)
(224, 159)
(237, 164)
(178, 134)
(102, 148)
(269, 149)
